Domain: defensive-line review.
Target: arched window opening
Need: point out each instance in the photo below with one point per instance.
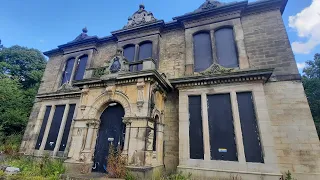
(202, 51)
(145, 51)
(68, 71)
(81, 67)
(226, 48)
(128, 53)
(155, 129)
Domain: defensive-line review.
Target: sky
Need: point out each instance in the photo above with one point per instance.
(44, 24)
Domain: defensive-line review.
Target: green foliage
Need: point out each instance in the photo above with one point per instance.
(21, 70)
(11, 144)
(130, 176)
(311, 83)
(177, 176)
(287, 176)
(31, 168)
(116, 163)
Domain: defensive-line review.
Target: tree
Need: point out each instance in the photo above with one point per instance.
(311, 83)
(21, 63)
(21, 70)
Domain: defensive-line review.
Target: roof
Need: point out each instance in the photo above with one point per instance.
(143, 19)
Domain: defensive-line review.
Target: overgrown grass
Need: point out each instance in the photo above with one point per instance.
(10, 144)
(32, 168)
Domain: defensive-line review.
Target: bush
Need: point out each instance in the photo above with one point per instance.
(116, 163)
(31, 168)
(11, 144)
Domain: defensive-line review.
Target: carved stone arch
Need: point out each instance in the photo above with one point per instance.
(104, 100)
(156, 112)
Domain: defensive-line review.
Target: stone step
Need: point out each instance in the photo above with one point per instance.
(91, 176)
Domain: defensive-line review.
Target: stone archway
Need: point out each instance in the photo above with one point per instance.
(102, 101)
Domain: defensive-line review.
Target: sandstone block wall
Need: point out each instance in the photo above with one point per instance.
(171, 132)
(267, 42)
(295, 136)
(172, 53)
(104, 53)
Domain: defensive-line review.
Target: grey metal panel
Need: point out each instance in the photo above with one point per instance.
(202, 51)
(54, 128)
(43, 127)
(226, 48)
(66, 131)
(221, 130)
(249, 127)
(195, 128)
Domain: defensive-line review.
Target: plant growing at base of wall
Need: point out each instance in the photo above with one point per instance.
(287, 176)
(116, 163)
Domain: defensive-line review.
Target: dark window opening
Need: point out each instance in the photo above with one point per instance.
(43, 127)
(226, 48)
(81, 68)
(68, 71)
(55, 127)
(195, 128)
(145, 50)
(66, 131)
(249, 127)
(202, 51)
(221, 130)
(155, 129)
(129, 53)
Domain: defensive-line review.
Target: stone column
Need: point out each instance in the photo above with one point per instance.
(126, 138)
(237, 128)
(73, 70)
(46, 132)
(61, 129)
(91, 126)
(205, 127)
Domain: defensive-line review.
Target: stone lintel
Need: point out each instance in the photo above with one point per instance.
(57, 95)
(223, 78)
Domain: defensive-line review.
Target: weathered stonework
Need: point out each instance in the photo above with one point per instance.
(154, 98)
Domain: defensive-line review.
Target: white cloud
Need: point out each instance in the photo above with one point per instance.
(307, 25)
(301, 65)
(41, 41)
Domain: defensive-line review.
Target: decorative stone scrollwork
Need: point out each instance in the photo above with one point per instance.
(93, 124)
(216, 69)
(209, 4)
(140, 17)
(140, 99)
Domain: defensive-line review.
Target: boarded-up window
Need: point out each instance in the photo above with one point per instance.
(195, 128)
(43, 127)
(129, 52)
(202, 51)
(226, 48)
(66, 131)
(68, 71)
(55, 127)
(249, 127)
(145, 50)
(81, 68)
(221, 130)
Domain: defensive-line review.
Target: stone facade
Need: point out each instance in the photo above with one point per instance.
(156, 131)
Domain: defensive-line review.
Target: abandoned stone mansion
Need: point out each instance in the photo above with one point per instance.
(214, 92)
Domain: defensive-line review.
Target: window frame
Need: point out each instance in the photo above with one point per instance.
(263, 121)
(194, 49)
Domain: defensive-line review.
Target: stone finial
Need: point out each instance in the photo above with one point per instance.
(85, 30)
(208, 4)
(140, 17)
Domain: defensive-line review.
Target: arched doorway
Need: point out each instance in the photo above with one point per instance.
(112, 130)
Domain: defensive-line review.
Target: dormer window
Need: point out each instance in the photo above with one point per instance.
(80, 67)
(74, 69)
(135, 58)
(68, 71)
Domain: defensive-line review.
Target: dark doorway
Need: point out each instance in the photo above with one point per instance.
(112, 130)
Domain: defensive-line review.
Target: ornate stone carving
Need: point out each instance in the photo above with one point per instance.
(83, 35)
(140, 99)
(209, 4)
(116, 65)
(140, 17)
(216, 69)
(66, 87)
